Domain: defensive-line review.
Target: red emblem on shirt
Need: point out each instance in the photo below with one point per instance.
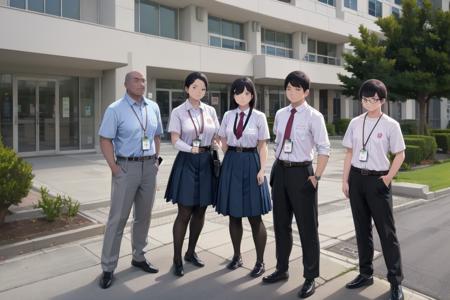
(379, 135)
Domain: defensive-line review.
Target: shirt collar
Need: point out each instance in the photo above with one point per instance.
(299, 108)
(131, 101)
(238, 110)
(189, 105)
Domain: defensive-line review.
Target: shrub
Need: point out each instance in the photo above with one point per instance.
(443, 141)
(413, 154)
(51, 207)
(15, 179)
(440, 131)
(71, 207)
(341, 126)
(429, 145)
(409, 126)
(330, 129)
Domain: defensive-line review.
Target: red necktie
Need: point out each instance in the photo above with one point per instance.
(240, 126)
(287, 131)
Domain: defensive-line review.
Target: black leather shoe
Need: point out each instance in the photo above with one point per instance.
(309, 287)
(145, 266)
(360, 281)
(235, 263)
(275, 277)
(396, 292)
(258, 270)
(106, 280)
(178, 269)
(194, 259)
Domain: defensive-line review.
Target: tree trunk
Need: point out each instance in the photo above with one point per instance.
(3, 213)
(423, 114)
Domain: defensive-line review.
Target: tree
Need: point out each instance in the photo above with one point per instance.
(413, 57)
(366, 61)
(419, 40)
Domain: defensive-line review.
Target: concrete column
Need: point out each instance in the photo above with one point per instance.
(252, 35)
(194, 24)
(300, 44)
(444, 114)
(266, 101)
(3, 2)
(316, 99)
(107, 14)
(89, 11)
(331, 95)
(124, 15)
(409, 109)
(346, 107)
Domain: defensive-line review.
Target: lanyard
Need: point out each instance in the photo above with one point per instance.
(364, 125)
(195, 126)
(245, 124)
(146, 118)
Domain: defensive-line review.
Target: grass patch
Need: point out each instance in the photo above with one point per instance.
(436, 177)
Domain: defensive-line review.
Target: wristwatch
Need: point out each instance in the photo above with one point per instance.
(317, 177)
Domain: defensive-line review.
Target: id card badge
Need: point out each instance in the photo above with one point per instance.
(145, 143)
(288, 146)
(363, 155)
(196, 143)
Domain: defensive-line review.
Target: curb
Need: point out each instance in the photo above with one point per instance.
(9, 251)
(418, 191)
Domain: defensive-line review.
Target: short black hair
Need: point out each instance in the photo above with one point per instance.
(193, 77)
(371, 87)
(297, 79)
(237, 88)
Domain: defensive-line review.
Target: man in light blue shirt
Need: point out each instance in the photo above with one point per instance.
(130, 142)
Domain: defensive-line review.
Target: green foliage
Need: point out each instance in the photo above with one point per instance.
(270, 121)
(367, 60)
(426, 142)
(440, 131)
(443, 141)
(409, 126)
(51, 207)
(413, 154)
(15, 178)
(330, 129)
(341, 126)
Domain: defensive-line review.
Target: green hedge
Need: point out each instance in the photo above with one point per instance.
(418, 142)
(429, 145)
(443, 141)
(341, 126)
(440, 131)
(409, 126)
(331, 129)
(413, 154)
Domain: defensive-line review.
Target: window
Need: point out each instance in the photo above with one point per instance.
(375, 8)
(398, 2)
(6, 110)
(396, 11)
(352, 4)
(276, 43)
(63, 8)
(226, 34)
(322, 52)
(155, 19)
(329, 2)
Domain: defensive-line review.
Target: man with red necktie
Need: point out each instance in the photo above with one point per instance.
(299, 129)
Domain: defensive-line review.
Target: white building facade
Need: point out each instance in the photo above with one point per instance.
(62, 62)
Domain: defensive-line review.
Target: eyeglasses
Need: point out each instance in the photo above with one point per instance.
(370, 99)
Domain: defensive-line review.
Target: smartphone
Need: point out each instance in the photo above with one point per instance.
(160, 160)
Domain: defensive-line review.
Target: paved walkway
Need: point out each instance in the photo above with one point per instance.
(70, 271)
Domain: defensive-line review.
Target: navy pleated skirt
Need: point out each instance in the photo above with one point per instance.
(191, 180)
(239, 194)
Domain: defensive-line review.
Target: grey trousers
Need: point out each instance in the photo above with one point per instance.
(135, 184)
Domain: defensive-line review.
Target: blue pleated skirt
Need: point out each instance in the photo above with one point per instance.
(239, 194)
(191, 180)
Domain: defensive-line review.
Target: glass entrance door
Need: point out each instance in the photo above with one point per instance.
(36, 115)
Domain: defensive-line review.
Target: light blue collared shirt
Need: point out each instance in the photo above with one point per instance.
(122, 126)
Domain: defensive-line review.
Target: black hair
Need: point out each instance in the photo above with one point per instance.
(193, 77)
(237, 88)
(371, 87)
(297, 79)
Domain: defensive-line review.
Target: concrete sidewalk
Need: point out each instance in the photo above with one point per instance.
(70, 271)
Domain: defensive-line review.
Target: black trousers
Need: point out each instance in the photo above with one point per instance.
(294, 194)
(371, 199)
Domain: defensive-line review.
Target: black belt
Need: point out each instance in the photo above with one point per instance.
(137, 158)
(366, 172)
(241, 149)
(204, 149)
(290, 164)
